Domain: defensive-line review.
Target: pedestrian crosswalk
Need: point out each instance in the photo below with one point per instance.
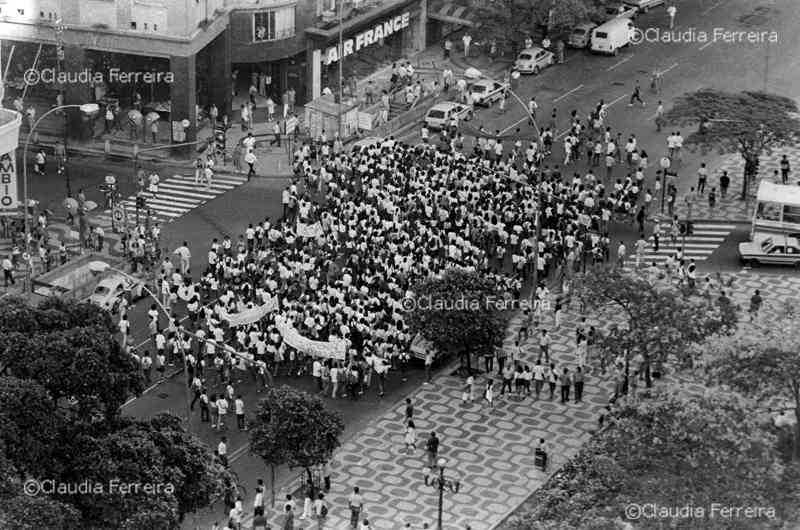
(699, 245)
(178, 195)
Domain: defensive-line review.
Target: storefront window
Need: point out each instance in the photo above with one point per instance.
(275, 24)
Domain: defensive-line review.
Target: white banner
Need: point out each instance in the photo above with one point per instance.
(313, 230)
(420, 346)
(365, 121)
(334, 349)
(249, 316)
(9, 189)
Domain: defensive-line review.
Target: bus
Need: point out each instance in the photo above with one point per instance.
(777, 209)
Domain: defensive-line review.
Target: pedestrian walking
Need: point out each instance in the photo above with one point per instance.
(222, 451)
(636, 96)
(250, 159)
(578, 380)
(488, 394)
(276, 130)
(239, 409)
(671, 12)
(467, 395)
(432, 449)
(724, 183)
(466, 40)
(552, 379)
(356, 504)
(755, 304)
(565, 385)
(410, 437)
(785, 168)
(702, 178)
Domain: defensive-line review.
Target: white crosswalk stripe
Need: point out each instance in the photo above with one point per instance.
(704, 240)
(178, 195)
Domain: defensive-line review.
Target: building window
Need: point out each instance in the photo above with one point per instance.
(41, 14)
(133, 25)
(155, 27)
(145, 26)
(275, 24)
(21, 12)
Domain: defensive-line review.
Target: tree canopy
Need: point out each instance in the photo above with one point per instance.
(762, 362)
(69, 349)
(749, 123)
(460, 312)
(680, 448)
(658, 323)
(294, 428)
(136, 474)
(512, 21)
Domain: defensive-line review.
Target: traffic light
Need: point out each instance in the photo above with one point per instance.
(219, 140)
(140, 203)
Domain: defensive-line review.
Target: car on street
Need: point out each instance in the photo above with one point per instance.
(485, 91)
(439, 115)
(643, 6)
(620, 10)
(365, 143)
(110, 290)
(581, 35)
(532, 60)
(770, 249)
(609, 37)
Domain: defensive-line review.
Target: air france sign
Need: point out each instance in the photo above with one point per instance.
(368, 37)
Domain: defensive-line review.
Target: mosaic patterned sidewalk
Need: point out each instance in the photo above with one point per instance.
(488, 450)
(732, 208)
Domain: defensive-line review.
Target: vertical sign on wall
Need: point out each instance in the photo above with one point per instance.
(9, 192)
(316, 74)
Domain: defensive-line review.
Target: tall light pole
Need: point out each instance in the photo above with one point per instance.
(435, 477)
(340, 7)
(86, 108)
(102, 266)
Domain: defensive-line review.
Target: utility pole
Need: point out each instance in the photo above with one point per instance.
(340, 6)
(62, 162)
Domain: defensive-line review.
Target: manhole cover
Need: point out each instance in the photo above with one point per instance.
(163, 395)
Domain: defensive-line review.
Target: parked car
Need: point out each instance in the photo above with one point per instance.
(581, 35)
(485, 91)
(620, 10)
(643, 6)
(439, 115)
(772, 249)
(532, 60)
(611, 36)
(365, 143)
(110, 291)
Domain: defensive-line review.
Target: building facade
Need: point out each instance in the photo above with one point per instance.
(212, 50)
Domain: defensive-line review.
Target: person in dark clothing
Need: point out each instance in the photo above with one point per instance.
(565, 384)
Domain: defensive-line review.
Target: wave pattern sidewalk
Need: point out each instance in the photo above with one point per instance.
(732, 208)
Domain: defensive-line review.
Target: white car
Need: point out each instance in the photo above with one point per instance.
(532, 60)
(110, 291)
(365, 143)
(581, 35)
(771, 249)
(485, 91)
(643, 5)
(439, 115)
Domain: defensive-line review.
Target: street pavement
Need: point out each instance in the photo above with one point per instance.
(489, 450)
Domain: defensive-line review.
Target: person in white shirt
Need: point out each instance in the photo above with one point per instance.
(222, 411)
(222, 451)
(185, 257)
(671, 12)
(239, 409)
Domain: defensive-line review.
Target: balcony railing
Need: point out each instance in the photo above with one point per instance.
(350, 9)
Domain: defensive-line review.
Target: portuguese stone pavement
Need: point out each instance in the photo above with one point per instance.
(731, 208)
(490, 450)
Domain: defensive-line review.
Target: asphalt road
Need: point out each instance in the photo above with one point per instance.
(579, 84)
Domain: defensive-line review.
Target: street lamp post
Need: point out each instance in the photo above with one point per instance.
(102, 266)
(438, 481)
(86, 108)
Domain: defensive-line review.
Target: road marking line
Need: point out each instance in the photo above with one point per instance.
(668, 69)
(707, 11)
(514, 124)
(706, 45)
(565, 94)
(617, 100)
(623, 61)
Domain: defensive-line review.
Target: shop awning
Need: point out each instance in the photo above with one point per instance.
(452, 13)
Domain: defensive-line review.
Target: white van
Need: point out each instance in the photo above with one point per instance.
(611, 36)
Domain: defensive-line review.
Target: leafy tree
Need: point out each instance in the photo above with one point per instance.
(176, 473)
(294, 428)
(658, 323)
(762, 361)
(748, 123)
(460, 312)
(69, 349)
(512, 21)
(679, 448)
(29, 428)
(22, 512)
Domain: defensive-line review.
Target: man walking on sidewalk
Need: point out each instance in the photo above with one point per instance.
(276, 130)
